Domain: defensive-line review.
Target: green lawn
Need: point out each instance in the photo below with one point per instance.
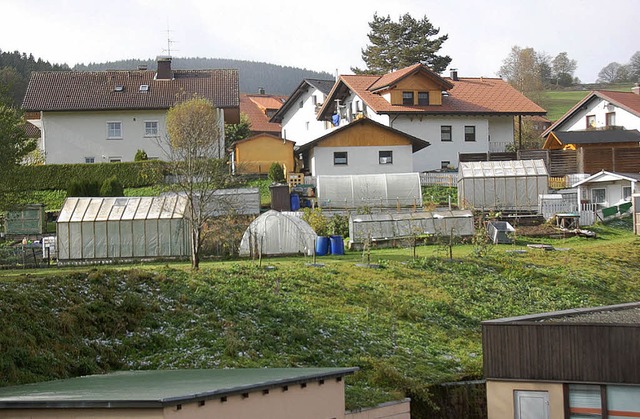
(407, 325)
(558, 102)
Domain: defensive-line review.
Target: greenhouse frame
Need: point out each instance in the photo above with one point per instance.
(389, 190)
(502, 185)
(388, 227)
(275, 233)
(123, 228)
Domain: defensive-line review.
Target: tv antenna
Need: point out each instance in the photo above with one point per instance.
(169, 43)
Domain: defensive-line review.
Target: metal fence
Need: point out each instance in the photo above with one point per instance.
(24, 256)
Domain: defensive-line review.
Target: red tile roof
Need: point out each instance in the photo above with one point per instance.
(85, 91)
(255, 107)
(481, 96)
(390, 79)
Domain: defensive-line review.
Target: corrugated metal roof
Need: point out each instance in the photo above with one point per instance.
(507, 168)
(122, 208)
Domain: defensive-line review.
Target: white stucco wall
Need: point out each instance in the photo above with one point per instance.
(361, 160)
(70, 137)
(499, 129)
(599, 108)
(300, 124)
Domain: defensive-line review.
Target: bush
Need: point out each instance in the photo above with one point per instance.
(276, 173)
(111, 187)
(56, 176)
(83, 188)
(141, 155)
(317, 220)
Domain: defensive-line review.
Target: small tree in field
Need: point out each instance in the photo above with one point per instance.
(194, 147)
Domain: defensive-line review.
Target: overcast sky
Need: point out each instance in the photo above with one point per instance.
(322, 36)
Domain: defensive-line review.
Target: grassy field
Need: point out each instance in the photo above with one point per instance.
(408, 325)
(558, 102)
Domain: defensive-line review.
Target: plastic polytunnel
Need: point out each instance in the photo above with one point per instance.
(276, 233)
(502, 185)
(125, 227)
(388, 190)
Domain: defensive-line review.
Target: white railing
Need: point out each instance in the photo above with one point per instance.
(499, 146)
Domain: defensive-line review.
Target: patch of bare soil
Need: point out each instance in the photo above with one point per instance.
(540, 230)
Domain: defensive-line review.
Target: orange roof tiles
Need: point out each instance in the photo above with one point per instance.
(255, 107)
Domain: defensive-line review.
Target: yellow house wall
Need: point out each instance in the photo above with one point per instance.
(364, 136)
(257, 155)
(415, 84)
(313, 401)
(500, 398)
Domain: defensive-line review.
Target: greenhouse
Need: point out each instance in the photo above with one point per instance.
(127, 227)
(502, 185)
(389, 227)
(390, 190)
(275, 233)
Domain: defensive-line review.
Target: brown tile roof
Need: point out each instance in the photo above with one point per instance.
(481, 96)
(255, 107)
(31, 130)
(85, 91)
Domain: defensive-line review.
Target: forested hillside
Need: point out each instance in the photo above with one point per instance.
(275, 79)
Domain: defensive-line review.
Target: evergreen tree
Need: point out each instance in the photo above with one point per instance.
(237, 132)
(395, 45)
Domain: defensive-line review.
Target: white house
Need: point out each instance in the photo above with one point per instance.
(602, 109)
(608, 189)
(106, 116)
(298, 114)
(362, 147)
(455, 115)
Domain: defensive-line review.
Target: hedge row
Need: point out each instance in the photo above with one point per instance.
(59, 176)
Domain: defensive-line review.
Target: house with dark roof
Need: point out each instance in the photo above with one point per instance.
(577, 363)
(259, 108)
(361, 147)
(454, 114)
(297, 116)
(106, 116)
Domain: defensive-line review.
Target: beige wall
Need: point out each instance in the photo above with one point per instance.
(392, 410)
(81, 413)
(500, 398)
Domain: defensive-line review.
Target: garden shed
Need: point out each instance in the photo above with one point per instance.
(126, 227)
(275, 233)
(385, 228)
(502, 185)
(389, 190)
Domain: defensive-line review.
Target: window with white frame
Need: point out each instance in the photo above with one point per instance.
(385, 157)
(610, 119)
(150, 128)
(340, 158)
(626, 193)
(598, 195)
(445, 133)
(114, 130)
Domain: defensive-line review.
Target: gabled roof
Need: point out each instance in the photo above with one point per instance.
(467, 96)
(416, 143)
(628, 101)
(604, 176)
(323, 86)
(388, 80)
(597, 136)
(253, 137)
(120, 90)
(256, 106)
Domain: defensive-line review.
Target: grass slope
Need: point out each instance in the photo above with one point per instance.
(407, 325)
(558, 102)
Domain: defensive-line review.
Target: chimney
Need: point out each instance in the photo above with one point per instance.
(454, 74)
(164, 69)
(142, 67)
(261, 90)
(636, 89)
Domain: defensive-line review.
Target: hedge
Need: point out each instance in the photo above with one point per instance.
(59, 176)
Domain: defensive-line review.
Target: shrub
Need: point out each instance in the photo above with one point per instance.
(111, 187)
(85, 188)
(316, 219)
(141, 155)
(276, 173)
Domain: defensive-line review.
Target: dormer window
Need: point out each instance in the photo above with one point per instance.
(423, 98)
(407, 98)
(144, 88)
(118, 88)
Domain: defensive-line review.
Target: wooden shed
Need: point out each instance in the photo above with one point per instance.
(255, 155)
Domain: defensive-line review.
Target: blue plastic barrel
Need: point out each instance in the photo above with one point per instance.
(322, 246)
(295, 202)
(337, 245)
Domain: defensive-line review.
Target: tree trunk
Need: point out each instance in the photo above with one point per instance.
(195, 249)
